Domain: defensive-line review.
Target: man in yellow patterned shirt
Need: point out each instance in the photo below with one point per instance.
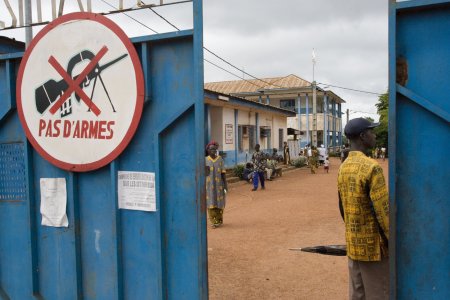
(364, 204)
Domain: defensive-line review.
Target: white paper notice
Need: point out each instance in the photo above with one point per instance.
(137, 190)
(54, 202)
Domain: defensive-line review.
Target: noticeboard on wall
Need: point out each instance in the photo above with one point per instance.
(228, 133)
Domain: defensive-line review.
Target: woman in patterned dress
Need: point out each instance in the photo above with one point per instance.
(216, 185)
(314, 159)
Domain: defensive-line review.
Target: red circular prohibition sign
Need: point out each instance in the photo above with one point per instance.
(83, 167)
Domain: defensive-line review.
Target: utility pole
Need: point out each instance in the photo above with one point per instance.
(314, 115)
(348, 113)
(314, 108)
(308, 141)
(299, 118)
(325, 120)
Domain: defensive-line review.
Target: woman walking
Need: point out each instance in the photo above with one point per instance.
(286, 155)
(216, 185)
(313, 160)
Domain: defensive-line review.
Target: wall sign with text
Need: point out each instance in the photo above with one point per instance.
(229, 134)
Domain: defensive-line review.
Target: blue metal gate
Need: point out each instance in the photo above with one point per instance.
(419, 43)
(107, 253)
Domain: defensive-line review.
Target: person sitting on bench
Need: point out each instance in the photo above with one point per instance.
(272, 165)
(247, 175)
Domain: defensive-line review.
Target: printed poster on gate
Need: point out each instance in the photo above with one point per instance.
(136, 190)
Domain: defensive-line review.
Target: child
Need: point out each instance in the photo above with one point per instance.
(326, 164)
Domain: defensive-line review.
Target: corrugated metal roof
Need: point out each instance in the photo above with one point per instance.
(244, 86)
(274, 86)
(8, 45)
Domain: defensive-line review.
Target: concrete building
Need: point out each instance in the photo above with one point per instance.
(318, 111)
(239, 124)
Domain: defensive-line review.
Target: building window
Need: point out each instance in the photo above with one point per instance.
(252, 136)
(320, 106)
(265, 134)
(303, 106)
(288, 104)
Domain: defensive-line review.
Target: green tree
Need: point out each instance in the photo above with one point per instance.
(383, 102)
(382, 110)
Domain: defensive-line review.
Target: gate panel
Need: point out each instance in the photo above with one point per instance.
(54, 247)
(106, 252)
(419, 142)
(14, 232)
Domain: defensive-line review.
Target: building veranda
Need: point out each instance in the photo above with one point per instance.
(269, 112)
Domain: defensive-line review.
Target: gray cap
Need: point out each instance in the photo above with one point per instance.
(358, 125)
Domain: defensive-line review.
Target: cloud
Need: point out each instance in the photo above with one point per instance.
(275, 38)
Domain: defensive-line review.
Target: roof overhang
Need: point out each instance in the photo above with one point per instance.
(292, 131)
(216, 98)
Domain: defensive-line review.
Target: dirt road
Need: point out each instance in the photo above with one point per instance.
(249, 258)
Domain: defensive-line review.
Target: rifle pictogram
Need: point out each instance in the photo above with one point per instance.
(59, 92)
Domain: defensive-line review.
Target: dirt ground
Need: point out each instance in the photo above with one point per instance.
(248, 256)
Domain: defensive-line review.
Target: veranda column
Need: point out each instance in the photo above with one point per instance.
(299, 102)
(314, 115)
(334, 118)
(208, 122)
(307, 120)
(257, 128)
(325, 121)
(236, 135)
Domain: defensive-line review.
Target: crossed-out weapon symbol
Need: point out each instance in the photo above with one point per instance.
(49, 91)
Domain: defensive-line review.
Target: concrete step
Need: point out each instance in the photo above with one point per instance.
(287, 168)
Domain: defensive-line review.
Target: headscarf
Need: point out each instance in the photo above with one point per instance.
(212, 143)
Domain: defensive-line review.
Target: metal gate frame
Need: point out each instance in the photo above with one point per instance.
(159, 255)
(419, 140)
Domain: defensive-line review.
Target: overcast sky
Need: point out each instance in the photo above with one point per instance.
(275, 38)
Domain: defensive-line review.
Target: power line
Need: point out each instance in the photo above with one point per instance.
(164, 19)
(243, 71)
(225, 61)
(140, 7)
(222, 59)
(171, 24)
(345, 88)
(216, 55)
(130, 17)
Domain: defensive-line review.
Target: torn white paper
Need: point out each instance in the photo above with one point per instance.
(136, 190)
(54, 202)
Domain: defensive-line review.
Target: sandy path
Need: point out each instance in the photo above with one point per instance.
(249, 256)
